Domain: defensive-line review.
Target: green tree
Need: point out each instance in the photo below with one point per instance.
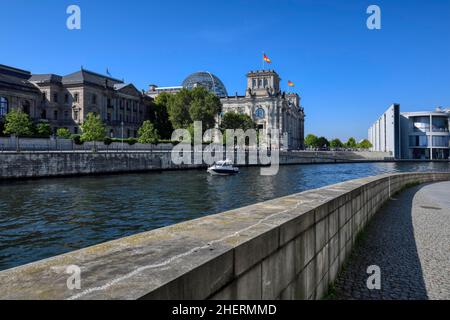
(178, 109)
(19, 124)
(197, 104)
(336, 143)
(311, 141)
(365, 144)
(160, 115)
(233, 120)
(147, 133)
(93, 129)
(351, 143)
(63, 133)
(43, 129)
(204, 107)
(322, 142)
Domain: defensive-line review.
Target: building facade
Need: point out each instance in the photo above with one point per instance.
(270, 108)
(65, 101)
(412, 135)
(263, 101)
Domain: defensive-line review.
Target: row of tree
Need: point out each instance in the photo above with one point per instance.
(312, 141)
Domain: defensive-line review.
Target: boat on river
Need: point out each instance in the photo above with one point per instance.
(223, 168)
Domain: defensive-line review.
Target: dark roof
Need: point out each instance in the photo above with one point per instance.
(12, 78)
(15, 72)
(46, 78)
(86, 76)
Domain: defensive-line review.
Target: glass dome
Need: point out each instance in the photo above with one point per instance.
(206, 80)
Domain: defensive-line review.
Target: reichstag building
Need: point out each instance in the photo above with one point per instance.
(263, 101)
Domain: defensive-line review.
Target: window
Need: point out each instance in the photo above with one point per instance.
(66, 98)
(44, 114)
(76, 97)
(440, 124)
(109, 116)
(265, 83)
(441, 141)
(421, 124)
(94, 99)
(3, 106)
(75, 115)
(66, 115)
(259, 83)
(26, 107)
(259, 113)
(418, 141)
(55, 97)
(44, 96)
(55, 114)
(75, 130)
(254, 83)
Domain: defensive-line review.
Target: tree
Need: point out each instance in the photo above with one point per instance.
(197, 104)
(63, 133)
(147, 133)
(311, 141)
(160, 116)
(365, 144)
(93, 129)
(43, 129)
(233, 120)
(19, 124)
(336, 143)
(322, 142)
(178, 109)
(204, 107)
(351, 143)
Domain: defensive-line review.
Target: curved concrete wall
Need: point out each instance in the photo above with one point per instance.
(287, 248)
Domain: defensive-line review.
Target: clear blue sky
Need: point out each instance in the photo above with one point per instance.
(346, 74)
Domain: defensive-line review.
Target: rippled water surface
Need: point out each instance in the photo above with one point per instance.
(42, 218)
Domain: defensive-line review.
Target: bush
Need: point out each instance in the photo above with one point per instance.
(131, 141)
(76, 139)
(107, 141)
(63, 133)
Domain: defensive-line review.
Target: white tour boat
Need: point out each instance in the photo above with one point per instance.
(223, 168)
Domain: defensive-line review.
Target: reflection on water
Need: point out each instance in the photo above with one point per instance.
(42, 218)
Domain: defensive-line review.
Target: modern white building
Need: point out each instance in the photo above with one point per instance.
(412, 135)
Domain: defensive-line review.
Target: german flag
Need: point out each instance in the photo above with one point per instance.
(291, 84)
(266, 58)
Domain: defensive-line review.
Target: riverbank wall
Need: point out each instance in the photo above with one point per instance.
(287, 248)
(19, 165)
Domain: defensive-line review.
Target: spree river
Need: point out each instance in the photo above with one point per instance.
(43, 218)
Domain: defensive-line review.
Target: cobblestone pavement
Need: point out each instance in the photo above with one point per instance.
(409, 239)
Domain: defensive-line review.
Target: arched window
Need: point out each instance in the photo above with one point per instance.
(259, 113)
(3, 106)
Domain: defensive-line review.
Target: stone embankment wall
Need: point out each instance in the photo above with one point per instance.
(54, 163)
(287, 248)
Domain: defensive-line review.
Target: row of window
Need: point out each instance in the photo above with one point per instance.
(260, 83)
(438, 124)
(424, 141)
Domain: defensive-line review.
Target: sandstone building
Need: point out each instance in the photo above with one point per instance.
(263, 101)
(65, 101)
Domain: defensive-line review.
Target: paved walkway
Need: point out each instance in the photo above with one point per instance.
(409, 239)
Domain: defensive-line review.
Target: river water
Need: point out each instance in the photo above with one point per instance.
(43, 218)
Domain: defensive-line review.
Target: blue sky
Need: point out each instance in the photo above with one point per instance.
(346, 74)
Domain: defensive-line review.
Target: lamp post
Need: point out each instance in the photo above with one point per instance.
(121, 123)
